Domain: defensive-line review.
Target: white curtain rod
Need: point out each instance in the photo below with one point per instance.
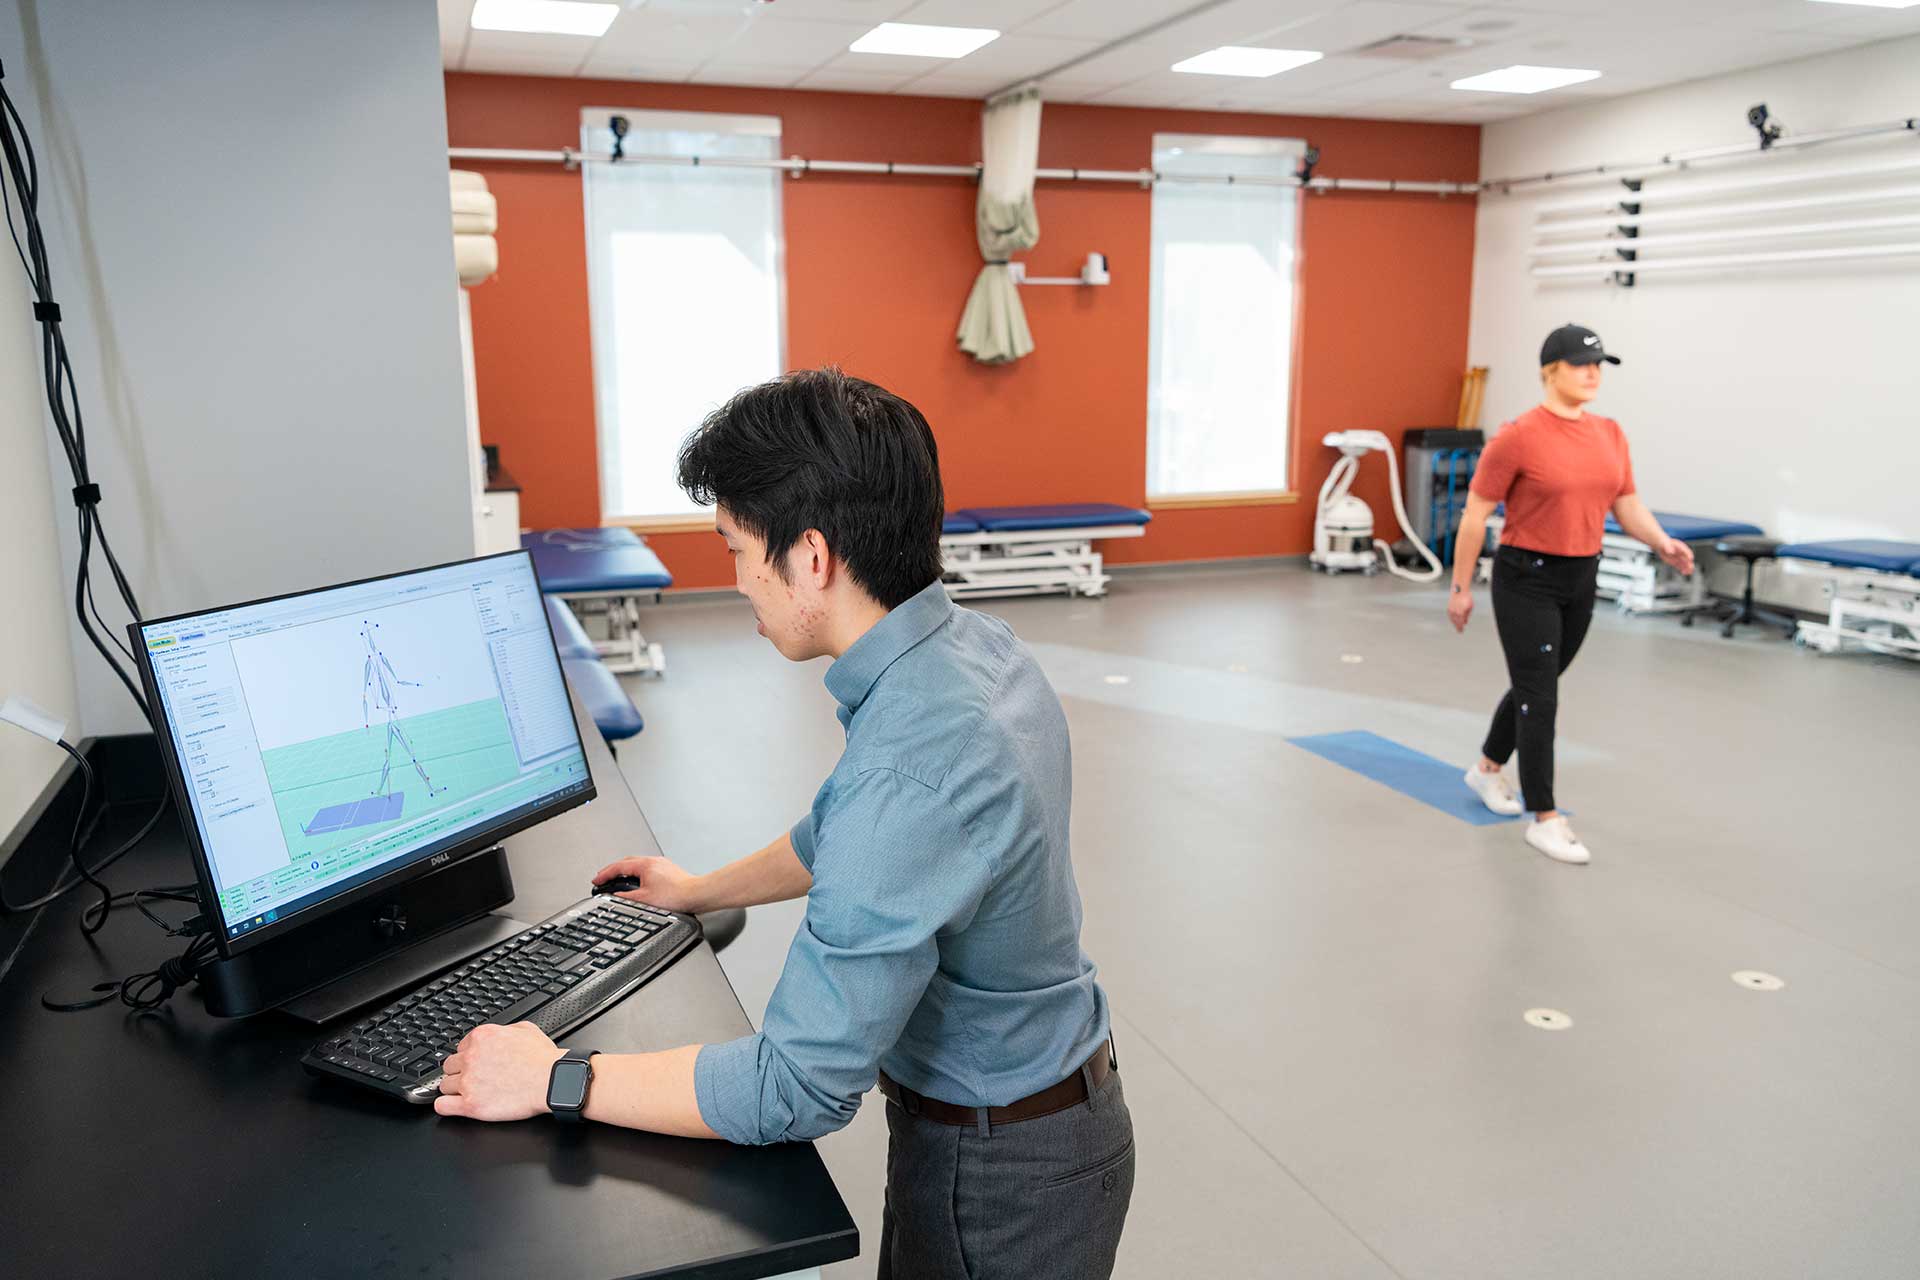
(1682, 159)
(797, 166)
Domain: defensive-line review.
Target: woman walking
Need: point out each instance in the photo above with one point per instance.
(1559, 469)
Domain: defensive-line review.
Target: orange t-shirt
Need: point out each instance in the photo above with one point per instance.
(1558, 477)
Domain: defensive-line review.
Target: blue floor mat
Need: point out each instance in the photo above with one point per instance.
(1411, 773)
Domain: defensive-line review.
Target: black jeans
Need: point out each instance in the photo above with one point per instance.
(1542, 606)
(1044, 1197)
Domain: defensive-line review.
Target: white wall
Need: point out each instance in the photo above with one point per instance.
(34, 658)
(1783, 395)
(248, 220)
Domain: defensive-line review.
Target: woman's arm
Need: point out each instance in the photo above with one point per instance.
(1638, 522)
(1466, 558)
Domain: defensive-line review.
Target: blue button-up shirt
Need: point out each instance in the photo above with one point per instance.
(942, 933)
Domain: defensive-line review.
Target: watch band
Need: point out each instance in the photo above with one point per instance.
(566, 1110)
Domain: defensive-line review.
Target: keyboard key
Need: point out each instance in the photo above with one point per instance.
(520, 1008)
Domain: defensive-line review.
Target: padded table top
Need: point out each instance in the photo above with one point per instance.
(600, 693)
(569, 637)
(1064, 515)
(1694, 528)
(1883, 554)
(594, 560)
(958, 523)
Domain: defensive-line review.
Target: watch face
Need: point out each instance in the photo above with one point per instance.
(568, 1088)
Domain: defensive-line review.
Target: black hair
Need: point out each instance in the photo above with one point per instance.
(820, 450)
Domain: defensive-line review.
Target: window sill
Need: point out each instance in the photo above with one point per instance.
(697, 523)
(1204, 501)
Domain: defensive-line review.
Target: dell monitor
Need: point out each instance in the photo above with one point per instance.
(343, 756)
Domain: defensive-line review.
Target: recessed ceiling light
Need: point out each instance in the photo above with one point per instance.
(1875, 4)
(545, 17)
(1525, 79)
(1239, 60)
(915, 40)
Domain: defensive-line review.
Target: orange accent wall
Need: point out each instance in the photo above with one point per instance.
(878, 269)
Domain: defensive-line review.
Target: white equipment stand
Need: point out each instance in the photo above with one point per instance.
(1029, 562)
(1343, 538)
(1878, 612)
(625, 651)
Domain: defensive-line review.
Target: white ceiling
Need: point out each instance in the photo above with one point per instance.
(802, 44)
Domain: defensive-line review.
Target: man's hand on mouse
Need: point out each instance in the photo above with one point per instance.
(498, 1073)
(662, 884)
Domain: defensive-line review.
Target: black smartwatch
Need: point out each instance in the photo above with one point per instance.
(567, 1086)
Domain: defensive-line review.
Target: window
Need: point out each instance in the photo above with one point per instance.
(1220, 336)
(685, 290)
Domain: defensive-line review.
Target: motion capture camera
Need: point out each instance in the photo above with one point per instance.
(619, 126)
(1768, 129)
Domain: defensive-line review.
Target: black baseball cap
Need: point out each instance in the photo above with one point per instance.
(1575, 345)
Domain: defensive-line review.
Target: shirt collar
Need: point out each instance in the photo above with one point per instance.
(853, 675)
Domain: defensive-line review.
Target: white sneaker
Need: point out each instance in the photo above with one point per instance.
(1495, 792)
(1556, 839)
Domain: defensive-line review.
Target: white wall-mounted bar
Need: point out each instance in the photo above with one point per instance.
(1730, 234)
(1910, 159)
(1683, 159)
(799, 165)
(1608, 270)
(1663, 217)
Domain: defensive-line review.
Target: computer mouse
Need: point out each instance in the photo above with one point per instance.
(619, 884)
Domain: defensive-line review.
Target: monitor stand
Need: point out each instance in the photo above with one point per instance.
(371, 949)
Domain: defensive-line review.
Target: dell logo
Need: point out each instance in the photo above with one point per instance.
(439, 859)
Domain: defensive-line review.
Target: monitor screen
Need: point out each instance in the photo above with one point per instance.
(331, 739)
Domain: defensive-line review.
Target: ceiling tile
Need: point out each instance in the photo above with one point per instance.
(1011, 58)
(454, 17)
(870, 13)
(1000, 15)
(804, 45)
(844, 81)
(668, 34)
(746, 74)
(1103, 20)
(1353, 25)
(519, 63)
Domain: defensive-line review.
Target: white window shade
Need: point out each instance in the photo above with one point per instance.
(1220, 337)
(685, 287)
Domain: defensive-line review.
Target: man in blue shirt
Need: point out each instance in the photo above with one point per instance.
(941, 953)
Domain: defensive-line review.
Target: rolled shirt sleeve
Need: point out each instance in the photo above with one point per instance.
(892, 868)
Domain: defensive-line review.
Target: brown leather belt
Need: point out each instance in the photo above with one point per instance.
(1069, 1092)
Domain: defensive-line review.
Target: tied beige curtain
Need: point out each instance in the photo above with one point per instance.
(993, 329)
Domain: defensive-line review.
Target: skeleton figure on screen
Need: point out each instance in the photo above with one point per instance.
(377, 686)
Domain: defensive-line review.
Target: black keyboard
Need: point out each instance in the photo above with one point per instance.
(555, 975)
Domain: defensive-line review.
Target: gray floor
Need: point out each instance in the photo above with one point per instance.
(1319, 983)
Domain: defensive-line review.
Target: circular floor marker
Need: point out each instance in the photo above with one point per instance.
(1754, 980)
(1351, 658)
(1548, 1019)
(1119, 679)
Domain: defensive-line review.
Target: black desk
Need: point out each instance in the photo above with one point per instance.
(181, 1145)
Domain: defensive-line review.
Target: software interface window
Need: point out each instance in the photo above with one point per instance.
(328, 737)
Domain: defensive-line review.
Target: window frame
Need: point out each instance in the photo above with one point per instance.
(1289, 493)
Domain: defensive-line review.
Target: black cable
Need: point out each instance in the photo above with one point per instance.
(125, 847)
(22, 170)
(147, 990)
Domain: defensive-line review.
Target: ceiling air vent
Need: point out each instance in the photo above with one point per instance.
(1411, 48)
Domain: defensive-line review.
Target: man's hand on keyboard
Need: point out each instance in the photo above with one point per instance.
(662, 884)
(499, 1073)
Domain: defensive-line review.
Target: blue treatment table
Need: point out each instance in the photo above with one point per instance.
(1874, 584)
(597, 688)
(604, 573)
(1033, 550)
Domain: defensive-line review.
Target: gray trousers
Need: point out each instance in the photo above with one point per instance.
(1045, 1197)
